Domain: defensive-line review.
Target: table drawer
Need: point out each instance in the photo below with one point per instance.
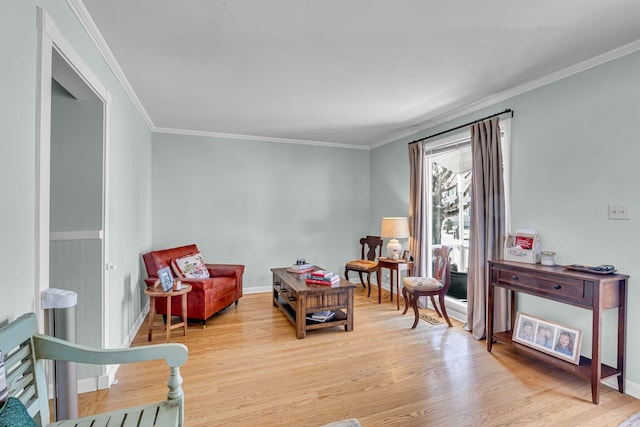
(566, 289)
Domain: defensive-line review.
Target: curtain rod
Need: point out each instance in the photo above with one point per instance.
(508, 110)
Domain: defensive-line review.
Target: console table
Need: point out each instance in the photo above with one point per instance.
(590, 291)
(296, 300)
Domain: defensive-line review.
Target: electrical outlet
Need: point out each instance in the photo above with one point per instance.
(619, 211)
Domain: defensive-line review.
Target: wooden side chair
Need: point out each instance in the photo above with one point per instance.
(370, 250)
(438, 285)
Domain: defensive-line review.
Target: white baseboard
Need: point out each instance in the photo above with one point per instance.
(630, 388)
(109, 377)
(258, 290)
(456, 308)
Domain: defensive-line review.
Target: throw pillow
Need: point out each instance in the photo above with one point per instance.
(14, 414)
(190, 267)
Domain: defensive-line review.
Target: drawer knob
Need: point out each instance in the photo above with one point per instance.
(557, 287)
(514, 277)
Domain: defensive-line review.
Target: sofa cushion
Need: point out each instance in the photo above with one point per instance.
(190, 267)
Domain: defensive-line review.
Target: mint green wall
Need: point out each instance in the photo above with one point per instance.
(575, 148)
(130, 150)
(261, 204)
(76, 162)
(17, 157)
(389, 184)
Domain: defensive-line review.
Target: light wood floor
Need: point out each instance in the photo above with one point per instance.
(248, 369)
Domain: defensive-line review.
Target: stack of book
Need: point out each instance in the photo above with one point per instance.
(301, 268)
(322, 277)
(321, 316)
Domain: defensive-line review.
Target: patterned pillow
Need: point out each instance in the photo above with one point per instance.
(4, 394)
(190, 267)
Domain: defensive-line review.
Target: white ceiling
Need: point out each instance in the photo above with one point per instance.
(355, 73)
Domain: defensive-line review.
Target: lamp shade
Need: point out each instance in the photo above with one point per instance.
(394, 228)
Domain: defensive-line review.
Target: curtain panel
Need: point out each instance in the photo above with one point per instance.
(418, 208)
(487, 226)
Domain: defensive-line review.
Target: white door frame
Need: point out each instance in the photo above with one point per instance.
(50, 39)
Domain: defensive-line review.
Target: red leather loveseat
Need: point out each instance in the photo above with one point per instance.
(208, 296)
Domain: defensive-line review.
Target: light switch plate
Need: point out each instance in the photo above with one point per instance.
(619, 211)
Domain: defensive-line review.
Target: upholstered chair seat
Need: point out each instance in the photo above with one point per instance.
(370, 250)
(416, 287)
(421, 283)
(362, 265)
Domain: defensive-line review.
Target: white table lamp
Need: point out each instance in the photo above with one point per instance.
(394, 228)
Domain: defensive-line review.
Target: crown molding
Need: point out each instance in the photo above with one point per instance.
(258, 138)
(85, 19)
(469, 108)
(81, 12)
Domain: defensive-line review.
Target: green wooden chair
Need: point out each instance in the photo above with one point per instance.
(25, 350)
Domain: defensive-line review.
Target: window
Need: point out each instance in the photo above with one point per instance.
(449, 201)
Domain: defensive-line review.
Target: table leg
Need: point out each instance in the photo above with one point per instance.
(398, 290)
(301, 317)
(184, 313)
(168, 325)
(489, 330)
(349, 326)
(152, 314)
(391, 284)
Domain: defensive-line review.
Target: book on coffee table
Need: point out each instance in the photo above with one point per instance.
(321, 316)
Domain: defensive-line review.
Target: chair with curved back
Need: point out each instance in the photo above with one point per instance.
(371, 249)
(438, 285)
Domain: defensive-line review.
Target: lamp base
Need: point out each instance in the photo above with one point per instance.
(394, 249)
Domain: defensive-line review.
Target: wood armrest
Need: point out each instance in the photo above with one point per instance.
(47, 347)
(174, 354)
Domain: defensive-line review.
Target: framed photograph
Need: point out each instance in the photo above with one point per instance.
(166, 278)
(549, 337)
(407, 256)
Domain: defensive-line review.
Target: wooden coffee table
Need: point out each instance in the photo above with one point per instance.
(296, 300)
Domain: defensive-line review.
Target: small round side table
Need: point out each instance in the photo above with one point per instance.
(157, 292)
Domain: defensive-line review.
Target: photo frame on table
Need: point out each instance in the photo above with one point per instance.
(166, 278)
(406, 255)
(558, 340)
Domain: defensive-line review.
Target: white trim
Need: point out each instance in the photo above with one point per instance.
(106, 267)
(50, 39)
(258, 138)
(94, 33)
(468, 108)
(81, 12)
(76, 235)
(46, 27)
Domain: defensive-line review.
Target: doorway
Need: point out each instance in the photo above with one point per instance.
(71, 189)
